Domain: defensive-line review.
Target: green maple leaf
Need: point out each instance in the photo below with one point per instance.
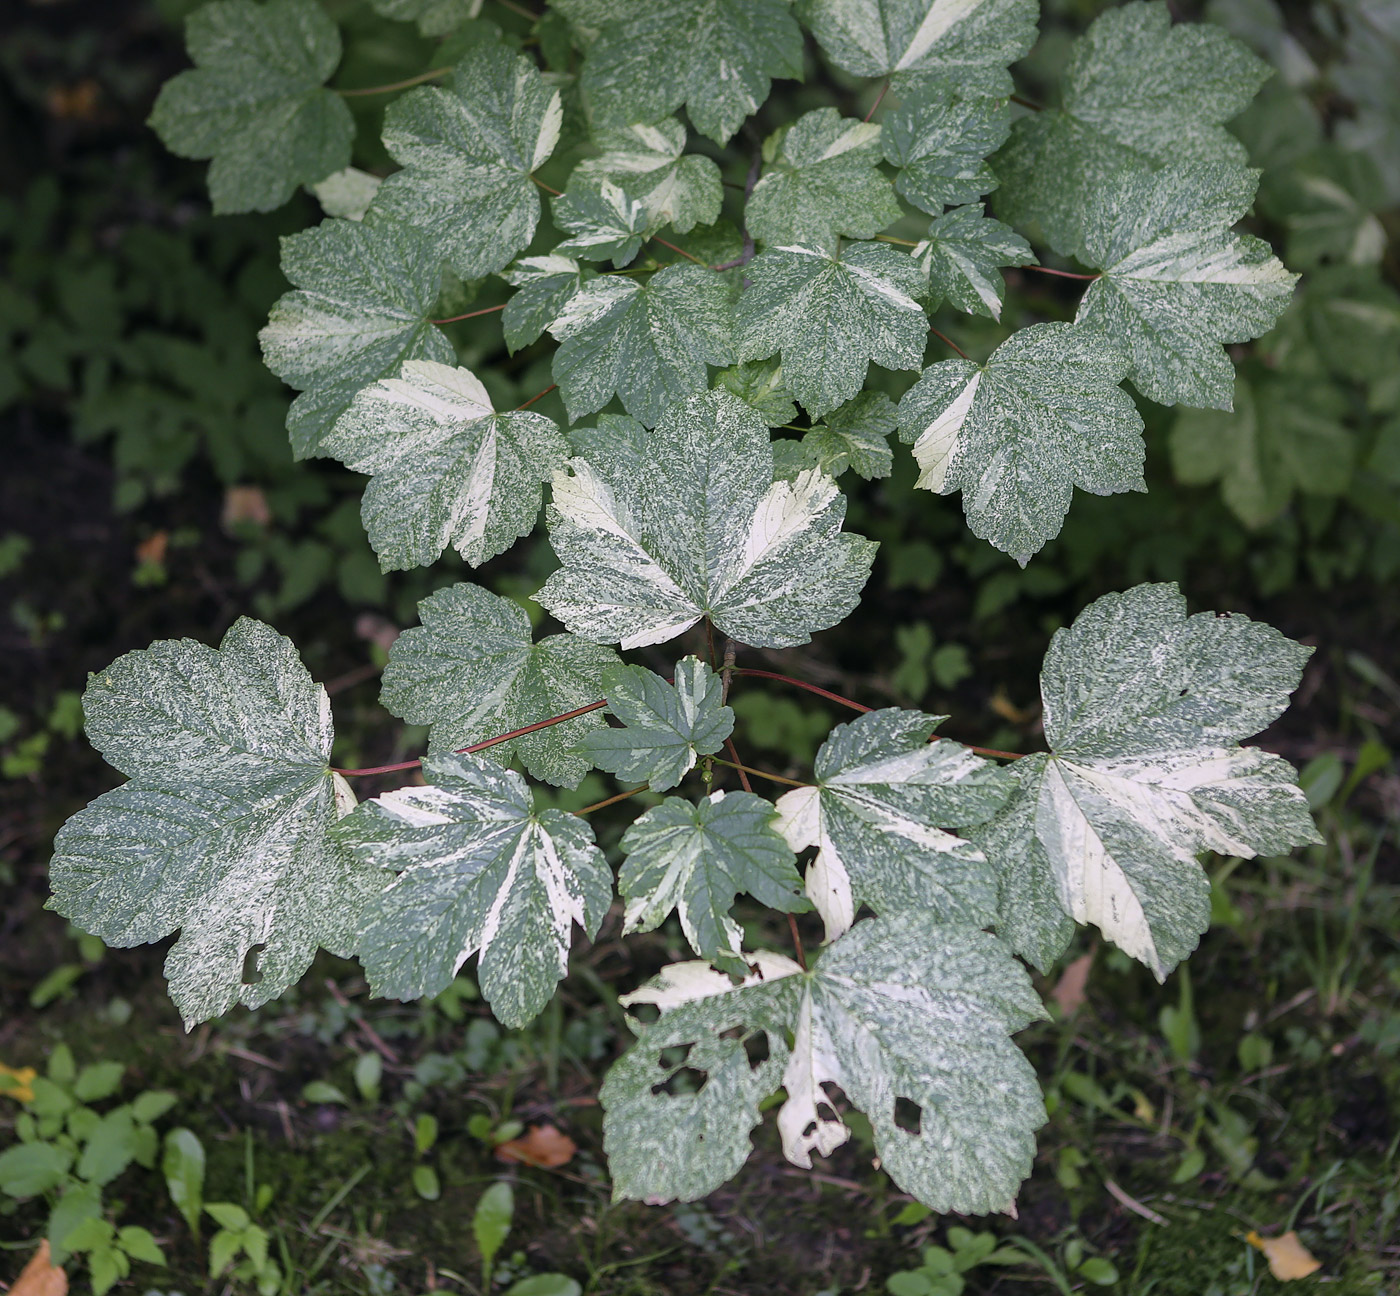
(962, 257)
(759, 383)
(347, 194)
(1144, 710)
(941, 143)
(1045, 414)
(447, 468)
(696, 859)
(361, 308)
(256, 101)
(1327, 202)
(829, 316)
(1176, 283)
(901, 1007)
(665, 727)
(605, 222)
(658, 531)
(480, 871)
(822, 183)
(1138, 92)
(544, 286)
(221, 832)
(473, 672)
(854, 436)
(649, 163)
(468, 155)
(434, 17)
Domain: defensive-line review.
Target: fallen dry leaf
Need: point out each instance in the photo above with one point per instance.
(1288, 1258)
(39, 1277)
(245, 504)
(541, 1146)
(17, 1083)
(76, 102)
(152, 549)
(1069, 990)
(1008, 710)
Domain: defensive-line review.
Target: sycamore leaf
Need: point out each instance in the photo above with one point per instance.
(901, 1009)
(961, 258)
(666, 727)
(717, 57)
(1045, 414)
(879, 814)
(696, 859)
(1327, 202)
(759, 383)
(648, 343)
(472, 671)
(347, 193)
(221, 833)
(605, 223)
(434, 17)
(965, 43)
(829, 316)
(690, 524)
(544, 285)
(1138, 92)
(256, 101)
(468, 155)
(649, 163)
(361, 308)
(940, 143)
(1144, 710)
(823, 182)
(1176, 283)
(481, 871)
(447, 468)
(853, 436)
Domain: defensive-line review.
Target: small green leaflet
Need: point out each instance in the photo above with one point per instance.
(544, 285)
(853, 436)
(900, 1007)
(696, 859)
(1284, 435)
(1144, 710)
(649, 163)
(447, 468)
(604, 221)
(717, 57)
(648, 343)
(829, 316)
(221, 833)
(1138, 92)
(434, 17)
(940, 143)
(1353, 318)
(759, 383)
(361, 306)
(1176, 283)
(691, 523)
(962, 256)
(966, 43)
(666, 727)
(481, 871)
(879, 815)
(823, 183)
(1045, 414)
(1327, 201)
(468, 154)
(472, 671)
(347, 194)
(255, 102)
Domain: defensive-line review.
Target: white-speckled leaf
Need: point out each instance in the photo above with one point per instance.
(691, 523)
(900, 1007)
(480, 871)
(361, 306)
(1045, 414)
(665, 729)
(648, 343)
(221, 833)
(255, 102)
(606, 224)
(446, 468)
(1138, 92)
(880, 816)
(433, 17)
(967, 44)
(854, 436)
(649, 163)
(473, 672)
(1144, 710)
(1176, 283)
(696, 858)
(468, 154)
(543, 286)
(759, 383)
(962, 259)
(822, 182)
(941, 143)
(829, 316)
(347, 194)
(717, 57)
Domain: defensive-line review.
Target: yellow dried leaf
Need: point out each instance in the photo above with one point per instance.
(1069, 990)
(17, 1083)
(40, 1277)
(542, 1146)
(1288, 1258)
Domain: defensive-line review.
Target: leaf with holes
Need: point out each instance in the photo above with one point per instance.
(961, 257)
(1144, 710)
(606, 223)
(446, 468)
(691, 524)
(543, 286)
(649, 164)
(1045, 414)
(941, 143)
(854, 436)
(481, 871)
(908, 1017)
(473, 672)
(221, 832)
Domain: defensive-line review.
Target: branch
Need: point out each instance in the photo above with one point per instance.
(943, 338)
(811, 688)
(537, 396)
(656, 238)
(549, 189)
(397, 85)
(485, 310)
(1063, 274)
(758, 773)
(612, 800)
(879, 98)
